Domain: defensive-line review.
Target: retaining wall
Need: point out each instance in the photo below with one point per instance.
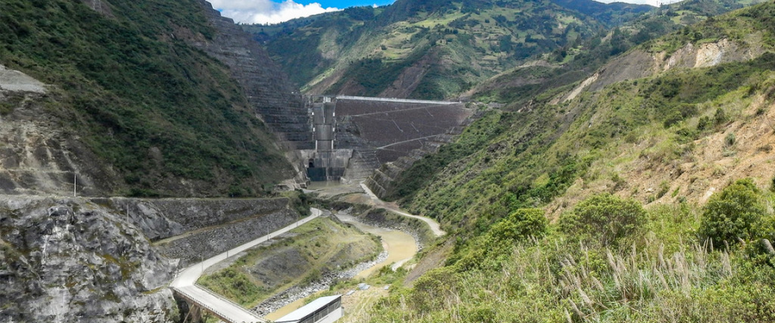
(192, 228)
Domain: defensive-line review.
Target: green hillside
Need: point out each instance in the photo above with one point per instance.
(648, 200)
(154, 109)
(572, 63)
(429, 49)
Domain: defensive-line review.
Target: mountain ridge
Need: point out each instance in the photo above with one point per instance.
(424, 49)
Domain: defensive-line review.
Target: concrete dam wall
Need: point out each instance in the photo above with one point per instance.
(355, 135)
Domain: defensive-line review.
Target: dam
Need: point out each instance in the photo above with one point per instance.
(353, 136)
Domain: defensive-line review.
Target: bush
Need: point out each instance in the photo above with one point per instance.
(604, 218)
(520, 224)
(732, 214)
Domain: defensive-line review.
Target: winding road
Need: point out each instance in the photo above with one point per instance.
(185, 282)
(435, 227)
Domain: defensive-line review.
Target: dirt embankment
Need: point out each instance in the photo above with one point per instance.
(640, 63)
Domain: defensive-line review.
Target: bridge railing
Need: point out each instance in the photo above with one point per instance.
(210, 309)
(363, 98)
(206, 290)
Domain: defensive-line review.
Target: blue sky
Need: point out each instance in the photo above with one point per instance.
(276, 11)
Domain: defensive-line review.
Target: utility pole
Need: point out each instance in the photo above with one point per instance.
(75, 183)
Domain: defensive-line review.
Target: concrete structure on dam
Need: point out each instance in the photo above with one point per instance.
(353, 136)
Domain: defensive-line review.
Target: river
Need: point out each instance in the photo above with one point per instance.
(400, 246)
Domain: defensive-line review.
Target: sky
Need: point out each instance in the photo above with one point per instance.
(277, 11)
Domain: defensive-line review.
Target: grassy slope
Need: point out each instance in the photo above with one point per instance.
(457, 44)
(617, 140)
(127, 89)
(576, 61)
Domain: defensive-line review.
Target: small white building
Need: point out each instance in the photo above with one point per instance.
(322, 310)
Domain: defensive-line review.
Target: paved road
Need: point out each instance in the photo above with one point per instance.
(435, 227)
(185, 282)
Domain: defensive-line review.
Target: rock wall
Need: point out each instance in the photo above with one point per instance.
(202, 244)
(192, 228)
(381, 180)
(276, 101)
(164, 218)
(71, 260)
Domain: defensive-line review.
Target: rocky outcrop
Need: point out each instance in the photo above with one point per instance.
(70, 260)
(164, 218)
(38, 156)
(190, 229)
(202, 244)
(639, 63)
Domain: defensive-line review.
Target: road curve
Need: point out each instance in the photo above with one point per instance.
(185, 282)
(435, 227)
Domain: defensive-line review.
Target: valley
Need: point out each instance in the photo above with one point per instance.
(426, 161)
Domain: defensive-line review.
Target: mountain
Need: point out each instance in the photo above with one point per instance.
(130, 103)
(610, 198)
(572, 64)
(429, 49)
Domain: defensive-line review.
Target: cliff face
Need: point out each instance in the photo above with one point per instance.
(69, 260)
(275, 100)
(143, 98)
(37, 154)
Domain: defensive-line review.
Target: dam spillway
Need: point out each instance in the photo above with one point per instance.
(353, 136)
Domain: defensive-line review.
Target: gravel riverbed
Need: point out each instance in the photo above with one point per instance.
(294, 293)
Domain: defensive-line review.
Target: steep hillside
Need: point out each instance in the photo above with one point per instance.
(428, 49)
(575, 62)
(129, 105)
(623, 201)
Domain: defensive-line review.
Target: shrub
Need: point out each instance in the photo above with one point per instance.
(729, 140)
(520, 224)
(604, 218)
(720, 116)
(772, 185)
(704, 123)
(733, 213)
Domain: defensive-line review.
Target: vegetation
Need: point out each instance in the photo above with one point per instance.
(589, 165)
(735, 214)
(604, 220)
(574, 62)
(153, 121)
(409, 39)
(317, 247)
(665, 275)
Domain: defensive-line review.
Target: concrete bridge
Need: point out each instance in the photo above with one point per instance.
(185, 286)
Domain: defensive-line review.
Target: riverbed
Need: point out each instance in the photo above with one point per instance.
(399, 245)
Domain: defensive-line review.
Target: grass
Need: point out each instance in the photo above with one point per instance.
(317, 247)
(189, 111)
(662, 272)
(664, 275)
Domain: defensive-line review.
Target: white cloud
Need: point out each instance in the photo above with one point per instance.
(266, 11)
(648, 2)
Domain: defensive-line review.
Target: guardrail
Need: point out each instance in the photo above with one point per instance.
(206, 290)
(191, 298)
(363, 98)
(315, 213)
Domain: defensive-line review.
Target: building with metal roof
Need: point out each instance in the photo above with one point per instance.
(322, 310)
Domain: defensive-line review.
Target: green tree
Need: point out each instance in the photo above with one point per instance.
(734, 213)
(520, 224)
(604, 219)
